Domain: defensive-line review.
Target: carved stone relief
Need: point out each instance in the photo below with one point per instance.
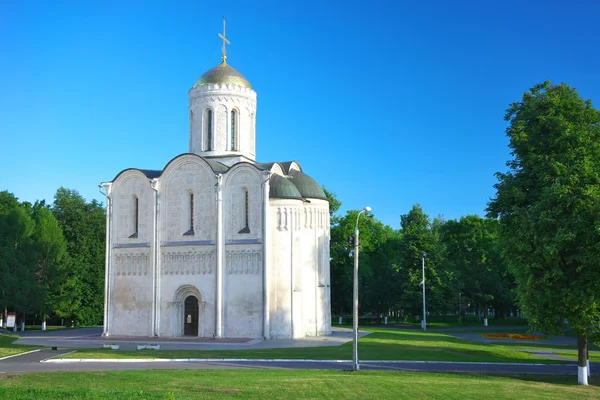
(187, 262)
(243, 261)
(135, 264)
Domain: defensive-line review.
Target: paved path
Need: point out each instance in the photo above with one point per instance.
(32, 362)
(91, 338)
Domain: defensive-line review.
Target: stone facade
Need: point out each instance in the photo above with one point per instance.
(216, 244)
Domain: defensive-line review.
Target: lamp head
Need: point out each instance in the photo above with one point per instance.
(367, 208)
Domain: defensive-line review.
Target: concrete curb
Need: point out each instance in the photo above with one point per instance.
(20, 354)
(283, 360)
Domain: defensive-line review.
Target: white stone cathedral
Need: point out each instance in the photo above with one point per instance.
(217, 244)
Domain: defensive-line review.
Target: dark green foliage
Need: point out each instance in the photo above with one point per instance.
(548, 204)
(81, 296)
(463, 262)
(480, 274)
(44, 272)
(16, 260)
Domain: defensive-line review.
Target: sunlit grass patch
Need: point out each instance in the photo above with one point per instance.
(289, 384)
(9, 349)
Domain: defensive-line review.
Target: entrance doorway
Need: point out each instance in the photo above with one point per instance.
(190, 315)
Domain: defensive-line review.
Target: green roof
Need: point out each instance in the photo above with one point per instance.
(307, 186)
(282, 188)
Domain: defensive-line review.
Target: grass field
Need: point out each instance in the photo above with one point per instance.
(594, 356)
(9, 349)
(382, 344)
(288, 384)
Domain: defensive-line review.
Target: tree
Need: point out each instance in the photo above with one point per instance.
(49, 250)
(472, 254)
(16, 278)
(80, 296)
(548, 204)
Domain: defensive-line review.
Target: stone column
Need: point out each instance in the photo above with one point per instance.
(265, 251)
(219, 254)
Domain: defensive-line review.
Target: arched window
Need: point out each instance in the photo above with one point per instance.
(245, 211)
(190, 214)
(208, 130)
(234, 129)
(135, 216)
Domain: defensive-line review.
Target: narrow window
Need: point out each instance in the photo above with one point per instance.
(190, 221)
(208, 130)
(233, 129)
(246, 206)
(135, 211)
(245, 210)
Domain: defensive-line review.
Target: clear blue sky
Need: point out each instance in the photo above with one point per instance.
(386, 103)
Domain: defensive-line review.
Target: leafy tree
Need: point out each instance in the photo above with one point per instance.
(8, 201)
(334, 203)
(418, 239)
(549, 207)
(49, 250)
(472, 254)
(80, 295)
(16, 278)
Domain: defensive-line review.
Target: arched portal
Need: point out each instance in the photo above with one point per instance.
(190, 313)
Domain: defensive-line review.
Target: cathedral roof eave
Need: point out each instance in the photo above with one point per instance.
(216, 166)
(149, 173)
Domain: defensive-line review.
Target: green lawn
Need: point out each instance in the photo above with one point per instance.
(594, 356)
(382, 344)
(9, 349)
(288, 384)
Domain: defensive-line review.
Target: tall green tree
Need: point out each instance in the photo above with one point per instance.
(419, 239)
(48, 250)
(472, 254)
(81, 294)
(16, 278)
(549, 207)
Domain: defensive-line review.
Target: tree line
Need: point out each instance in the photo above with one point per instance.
(464, 268)
(52, 259)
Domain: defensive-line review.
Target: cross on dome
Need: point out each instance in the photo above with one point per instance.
(225, 41)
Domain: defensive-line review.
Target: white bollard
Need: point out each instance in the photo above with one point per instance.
(22, 326)
(485, 322)
(2, 323)
(44, 325)
(385, 320)
(340, 321)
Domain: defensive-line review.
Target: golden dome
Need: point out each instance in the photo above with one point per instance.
(223, 74)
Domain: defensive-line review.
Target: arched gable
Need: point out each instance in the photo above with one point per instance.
(187, 197)
(294, 165)
(276, 168)
(242, 197)
(132, 207)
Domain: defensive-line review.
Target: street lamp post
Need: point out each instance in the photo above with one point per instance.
(424, 321)
(355, 365)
